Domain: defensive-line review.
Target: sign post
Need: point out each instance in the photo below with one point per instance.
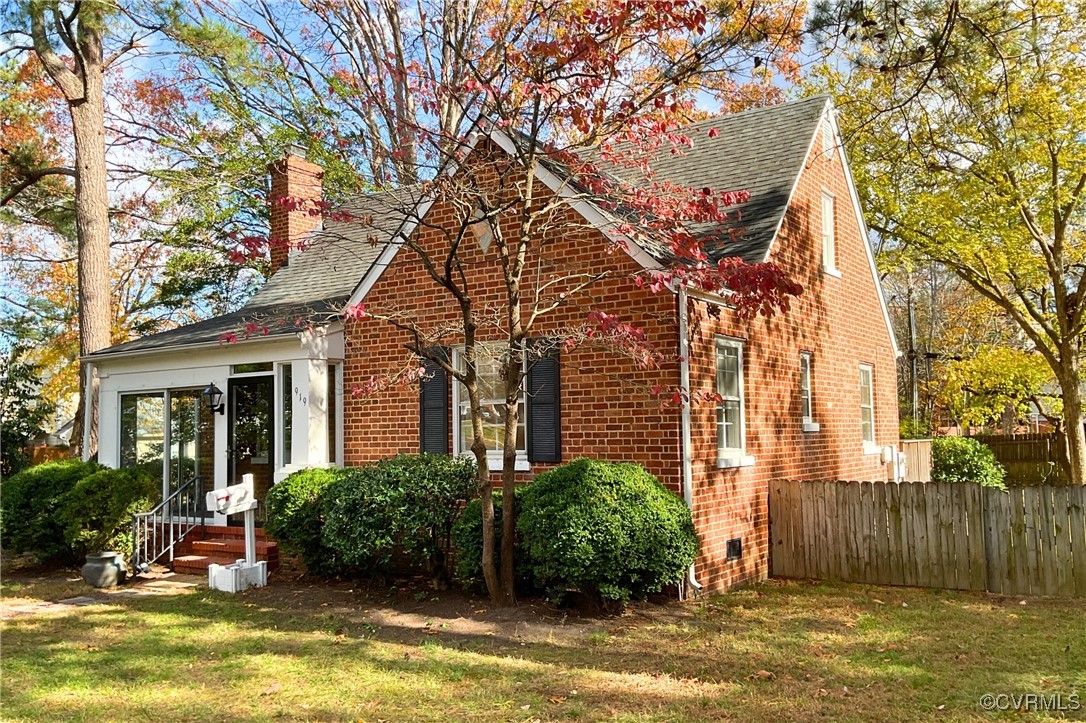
(243, 573)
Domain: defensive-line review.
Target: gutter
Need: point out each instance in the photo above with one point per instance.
(685, 447)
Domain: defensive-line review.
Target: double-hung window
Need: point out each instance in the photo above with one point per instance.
(492, 389)
(806, 396)
(867, 405)
(731, 409)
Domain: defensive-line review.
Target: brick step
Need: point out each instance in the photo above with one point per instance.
(198, 564)
(220, 532)
(230, 547)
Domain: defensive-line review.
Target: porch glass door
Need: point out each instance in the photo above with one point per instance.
(251, 435)
(192, 443)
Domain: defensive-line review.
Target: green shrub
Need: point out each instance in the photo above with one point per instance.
(30, 503)
(468, 539)
(910, 428)
(408, 501)
(96, 513)
(609, 530)
(960, 459)
(295, 516)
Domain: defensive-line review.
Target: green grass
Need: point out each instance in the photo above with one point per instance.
(779, 651)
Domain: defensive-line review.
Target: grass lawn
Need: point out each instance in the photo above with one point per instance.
(778, 651)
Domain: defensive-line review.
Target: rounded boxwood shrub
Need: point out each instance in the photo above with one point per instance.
(408, 502)
(609, 530)
(96, 513)
(961, 459)
(468, 539)
(296, 519)
(30, 502)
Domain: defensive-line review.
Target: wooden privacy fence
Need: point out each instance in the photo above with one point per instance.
(1030, 459)
(1027, 541)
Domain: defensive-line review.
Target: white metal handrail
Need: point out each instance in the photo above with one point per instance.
(155, 533)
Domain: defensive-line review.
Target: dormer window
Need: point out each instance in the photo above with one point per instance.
(480, 226)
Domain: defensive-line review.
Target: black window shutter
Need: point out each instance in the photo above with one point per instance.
(544, 409)
(434, 407)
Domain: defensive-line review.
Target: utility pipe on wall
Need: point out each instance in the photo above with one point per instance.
(684, 381)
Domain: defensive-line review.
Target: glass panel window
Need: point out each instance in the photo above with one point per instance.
(492, 400)
(143, 432)
(252, 368)
(333, 412)
(729, 385)
(286, 404)
(829, 250)
(805, 386)
(867, 404)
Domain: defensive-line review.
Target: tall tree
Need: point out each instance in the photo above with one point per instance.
(969, 124)
(67, 39)
(593, 92)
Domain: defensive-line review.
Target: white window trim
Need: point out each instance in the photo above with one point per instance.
(830, 268)
(807, 420)
(495, 460)
(726, 457)
(870, 445)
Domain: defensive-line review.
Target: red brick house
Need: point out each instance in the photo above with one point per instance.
(810, 393)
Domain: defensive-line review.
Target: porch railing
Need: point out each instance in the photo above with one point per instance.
(155, 533)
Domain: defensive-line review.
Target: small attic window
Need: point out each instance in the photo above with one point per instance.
(827, 139)
(481, 228)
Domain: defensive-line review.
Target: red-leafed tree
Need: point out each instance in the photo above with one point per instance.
(587, 93)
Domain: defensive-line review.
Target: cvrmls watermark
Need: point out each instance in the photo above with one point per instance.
(1032, 702)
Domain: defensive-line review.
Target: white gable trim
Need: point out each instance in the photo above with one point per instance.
(865, 238)
(587, 210)
(795, 182)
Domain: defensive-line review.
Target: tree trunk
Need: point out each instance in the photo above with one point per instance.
(92, 224)
(83, 91)
(1075, 436)
(514, 382)
(499, 594)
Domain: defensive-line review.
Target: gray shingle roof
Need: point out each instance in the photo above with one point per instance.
(761, 151)
(314, 285)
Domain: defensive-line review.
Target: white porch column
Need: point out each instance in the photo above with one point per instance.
(317, 418)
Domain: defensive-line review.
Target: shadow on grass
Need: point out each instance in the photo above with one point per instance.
(839, 651)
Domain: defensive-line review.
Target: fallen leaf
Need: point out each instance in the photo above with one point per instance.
(557, 699)
(846, 692)
(821, 693)
(940, 707)
(273, 688)
(764, 675)
(525, 707)
(877, 601)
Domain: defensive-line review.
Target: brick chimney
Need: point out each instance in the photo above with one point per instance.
(295, 186)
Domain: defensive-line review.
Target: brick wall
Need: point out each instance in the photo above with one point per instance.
(606, 411)
(839, 321)
(292, 177)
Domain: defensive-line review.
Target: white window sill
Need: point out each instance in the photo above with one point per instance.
(729, 462)
(811, 426)
(497, 463)
(836, 273)
(870, 448)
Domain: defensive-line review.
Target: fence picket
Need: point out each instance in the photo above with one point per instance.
(1021, 542)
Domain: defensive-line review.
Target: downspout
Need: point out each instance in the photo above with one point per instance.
(684, 381)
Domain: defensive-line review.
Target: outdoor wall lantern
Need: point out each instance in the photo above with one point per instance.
(213, 399)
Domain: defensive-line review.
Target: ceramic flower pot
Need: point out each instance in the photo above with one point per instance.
(105, 569)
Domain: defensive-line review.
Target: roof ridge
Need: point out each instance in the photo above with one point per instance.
(824, 97)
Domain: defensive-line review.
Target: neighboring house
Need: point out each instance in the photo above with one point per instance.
(807, 394)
